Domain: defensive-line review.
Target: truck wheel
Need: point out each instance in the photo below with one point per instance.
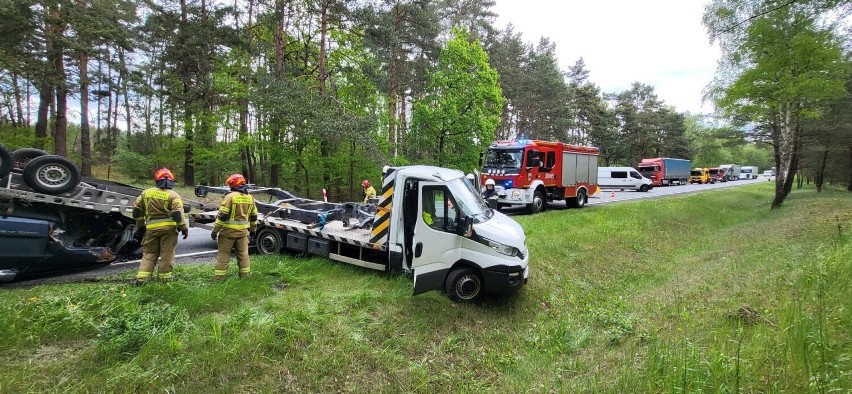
(538, 202)
(577, 202)
(5, 162)
(464, 285)
(51, 174)
(268, 241)
(644, 188)
(23, 156)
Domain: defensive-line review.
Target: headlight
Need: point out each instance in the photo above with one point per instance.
(516, 194)
(500, 248)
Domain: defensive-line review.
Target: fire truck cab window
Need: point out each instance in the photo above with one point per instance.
(533, 158)
(440, 212)
(503, 158)
(549, 161)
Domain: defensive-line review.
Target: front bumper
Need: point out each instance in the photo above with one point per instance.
(514, 196)
(497, 282)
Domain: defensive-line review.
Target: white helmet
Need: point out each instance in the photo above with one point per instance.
(471, 177)
(489, 182)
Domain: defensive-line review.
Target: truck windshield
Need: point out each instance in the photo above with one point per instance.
(646, 170)
(504, 158)
(469, 201)
(695, 173)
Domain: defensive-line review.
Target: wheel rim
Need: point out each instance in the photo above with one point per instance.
(53, 176)
(468, 287)
(538, 202)
(268, 243)
(581, 199)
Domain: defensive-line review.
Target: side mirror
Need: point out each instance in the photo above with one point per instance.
(465, 227)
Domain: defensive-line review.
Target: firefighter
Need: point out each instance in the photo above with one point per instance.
(369, 191)
(489, 192)
(236, 220)
(158, 212)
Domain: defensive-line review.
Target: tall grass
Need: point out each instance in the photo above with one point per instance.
(701, 293)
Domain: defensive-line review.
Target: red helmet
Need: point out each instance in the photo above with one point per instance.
(164, 173)
(235, 180)
(365, 183)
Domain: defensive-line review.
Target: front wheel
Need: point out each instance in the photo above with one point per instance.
(51, 174)
(464, 285)
(269, 241)
(644, 188)
(538, 203)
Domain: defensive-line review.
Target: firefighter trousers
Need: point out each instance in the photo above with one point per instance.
(158, 244)
(226, 243)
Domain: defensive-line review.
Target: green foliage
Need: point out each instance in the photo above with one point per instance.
(457, 117)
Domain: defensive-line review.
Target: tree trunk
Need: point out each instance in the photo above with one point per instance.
(188, 168)
(19, 108)
(45, 94)
(57, 59)
(123, 78)
(85, 144)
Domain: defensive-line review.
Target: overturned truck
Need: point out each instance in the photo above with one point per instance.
(53, 220)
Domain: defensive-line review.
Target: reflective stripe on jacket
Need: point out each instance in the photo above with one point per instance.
(157, 208)
(238, 211)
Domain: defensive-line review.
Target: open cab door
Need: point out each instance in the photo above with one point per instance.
(437, 244)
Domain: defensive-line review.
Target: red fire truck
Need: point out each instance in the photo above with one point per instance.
(533, 172)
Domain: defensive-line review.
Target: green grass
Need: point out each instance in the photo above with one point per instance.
(709, 292)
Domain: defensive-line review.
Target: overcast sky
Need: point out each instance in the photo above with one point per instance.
(656, 42)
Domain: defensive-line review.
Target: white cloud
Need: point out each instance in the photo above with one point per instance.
(655, 42)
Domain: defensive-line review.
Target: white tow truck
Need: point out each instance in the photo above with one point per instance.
(427, 221)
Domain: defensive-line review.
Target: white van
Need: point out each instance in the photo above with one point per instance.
(623, 178)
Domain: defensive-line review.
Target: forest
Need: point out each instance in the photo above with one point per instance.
(313, 94)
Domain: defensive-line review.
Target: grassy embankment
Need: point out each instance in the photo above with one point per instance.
(709, 292)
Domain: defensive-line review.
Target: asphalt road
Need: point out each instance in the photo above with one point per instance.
(200, 248)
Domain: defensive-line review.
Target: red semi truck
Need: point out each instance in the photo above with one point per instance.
(534, 172)
(665, 171)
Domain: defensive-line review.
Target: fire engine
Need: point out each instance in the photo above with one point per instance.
(534, 172)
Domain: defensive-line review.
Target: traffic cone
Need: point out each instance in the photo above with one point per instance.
(612, 195)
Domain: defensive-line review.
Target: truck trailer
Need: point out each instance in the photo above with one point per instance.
(427, 221)
(748, 172)
(533, 173)
(664, 171)
(55, 221)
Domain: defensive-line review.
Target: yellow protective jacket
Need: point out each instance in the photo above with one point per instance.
(369, 193)
(159, 208)
(237, 215)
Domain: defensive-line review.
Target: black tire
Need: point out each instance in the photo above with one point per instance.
(269, 241)
(577, 201)
(5, 162)
(539, 203)
(644, 188)
(23, 156)
(51, 174)
(582, 198)
(464, 285)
